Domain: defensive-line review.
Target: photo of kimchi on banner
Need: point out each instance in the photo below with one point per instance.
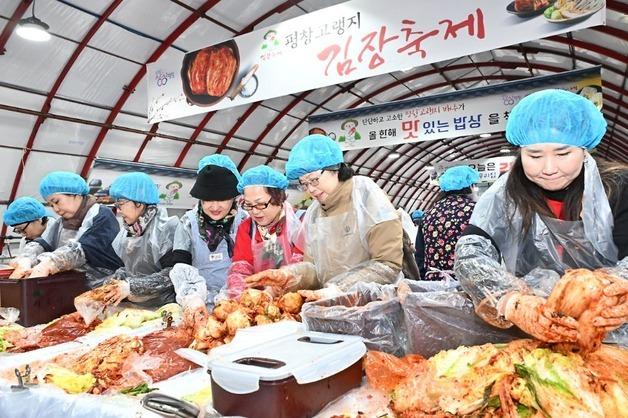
(349, 41)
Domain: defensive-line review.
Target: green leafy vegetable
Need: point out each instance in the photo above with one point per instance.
(137, 390)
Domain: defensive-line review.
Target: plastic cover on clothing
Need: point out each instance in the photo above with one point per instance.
(368, 272)
(141, 255)
(331, 243)
(67, 252)
(407, 224)
(369, 310)
(495, 214)
(149, 282)
(277, 250)
(187, 283)
(485, 276)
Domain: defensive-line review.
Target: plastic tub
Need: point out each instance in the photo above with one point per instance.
(290, 377)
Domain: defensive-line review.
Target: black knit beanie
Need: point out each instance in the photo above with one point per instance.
(215, 183)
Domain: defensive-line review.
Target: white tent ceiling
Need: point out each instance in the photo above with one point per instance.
(82, 95)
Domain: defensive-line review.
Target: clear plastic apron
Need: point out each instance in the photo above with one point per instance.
(276, 250)
(558, 245)
(334, 243)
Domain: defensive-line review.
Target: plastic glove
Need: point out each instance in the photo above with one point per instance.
(368, 272)
(616, 313)
(277, 279)
(93, 303)
(187, 282)
(328, 292)
(44, 269)
(194, 311)
(236, 278)
(529, 314)
(23, 262)
(22, 266)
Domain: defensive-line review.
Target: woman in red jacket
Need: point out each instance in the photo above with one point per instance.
(268, 238)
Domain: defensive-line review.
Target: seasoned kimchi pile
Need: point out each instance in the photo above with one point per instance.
(524, 378)
(121, 362)
(66, 328)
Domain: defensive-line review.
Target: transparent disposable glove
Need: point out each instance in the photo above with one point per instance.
(44, 269)
(187, 282)
(194, 311)
(93, 303)
(616, 313)
(277, 279)
(528, 313)
(22, 266)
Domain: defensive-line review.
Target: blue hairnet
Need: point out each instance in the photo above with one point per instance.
(417, 214)
(221, 161)
(22, 210)
(458, 178)
(138, 187)
(555, 116)
(312, 153)
(262, 175)
(62, 182)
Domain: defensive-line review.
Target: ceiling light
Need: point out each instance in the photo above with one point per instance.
(33, 29)
(394, 155)
(428, 168)
(505, 150)
(485, 135)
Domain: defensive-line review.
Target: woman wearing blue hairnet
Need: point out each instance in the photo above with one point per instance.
(443, 223)
(79, 239)
(144, 244)
(27, 217)
(268, 238)
(352, 231)
(554, 211)
(204, 241)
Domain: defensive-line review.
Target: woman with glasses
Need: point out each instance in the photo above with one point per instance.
(268, 238)
(352, 231)
(79, 239)
(206, 236)
(144, 244)
(28, 218)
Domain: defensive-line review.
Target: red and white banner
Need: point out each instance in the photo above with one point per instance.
(349, 41)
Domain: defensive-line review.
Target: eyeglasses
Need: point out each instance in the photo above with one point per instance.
(22, 230)
(258, 206)
(120, 202)
(303, 185)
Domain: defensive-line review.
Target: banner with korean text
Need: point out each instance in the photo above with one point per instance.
(348, 41)
(489, 168)
(466, 112)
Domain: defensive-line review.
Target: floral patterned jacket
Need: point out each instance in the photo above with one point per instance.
(441, 227)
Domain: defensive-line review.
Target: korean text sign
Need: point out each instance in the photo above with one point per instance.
(468, 112)
(348, 41)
